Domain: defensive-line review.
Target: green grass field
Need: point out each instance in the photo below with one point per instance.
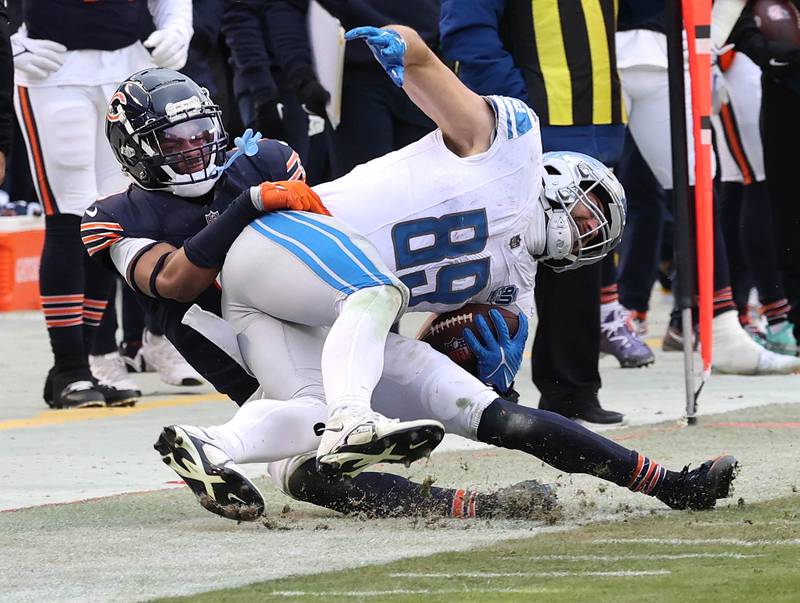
(741, 553)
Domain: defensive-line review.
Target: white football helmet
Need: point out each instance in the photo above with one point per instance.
(574, 184)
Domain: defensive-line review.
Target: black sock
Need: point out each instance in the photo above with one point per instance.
(379, 495)
(61, 284)
(567, 446)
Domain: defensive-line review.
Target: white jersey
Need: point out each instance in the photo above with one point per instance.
(453, 229)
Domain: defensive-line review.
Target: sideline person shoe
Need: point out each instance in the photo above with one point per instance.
(112, 379)
(219, 485)
(779, 338)
(736, 353)
(673, 339)
(599, 415)
(590, 413)
(131, 353)
(158, 353)
(639, 321)
(352, 442)
(618, 338)
(72, 389)
(700, 488)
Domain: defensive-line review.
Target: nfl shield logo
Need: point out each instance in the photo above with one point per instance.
(211, 216)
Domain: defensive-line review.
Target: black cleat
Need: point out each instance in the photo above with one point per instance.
(700, 488)
(219, 485)
(118, 397)
(71, 389)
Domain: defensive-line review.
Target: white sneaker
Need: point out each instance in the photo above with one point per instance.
(217, 482)
(112, 378)
(352, 442)
(735, 351)
(159, 353)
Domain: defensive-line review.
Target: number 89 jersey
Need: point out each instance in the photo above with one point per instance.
(452, 228)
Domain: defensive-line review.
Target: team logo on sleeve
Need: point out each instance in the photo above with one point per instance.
(502, 296)
(211, 216)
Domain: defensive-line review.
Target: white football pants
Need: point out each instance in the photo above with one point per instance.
(311, 270)
(64, 130)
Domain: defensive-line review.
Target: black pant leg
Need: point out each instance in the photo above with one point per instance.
(567, 344)
(781, 129)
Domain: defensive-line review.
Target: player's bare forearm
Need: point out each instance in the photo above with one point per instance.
(177, 278)
(466, 120)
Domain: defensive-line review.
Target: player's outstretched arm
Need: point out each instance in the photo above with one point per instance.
(466, 120)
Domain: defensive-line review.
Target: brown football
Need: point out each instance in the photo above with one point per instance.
(778, 20)
(446, 333)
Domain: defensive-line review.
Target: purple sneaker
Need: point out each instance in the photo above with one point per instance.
(618, 338)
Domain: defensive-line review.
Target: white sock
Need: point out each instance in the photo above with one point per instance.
(266, 430)
(352, 357)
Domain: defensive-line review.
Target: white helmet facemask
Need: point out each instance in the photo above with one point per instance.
(575, 184)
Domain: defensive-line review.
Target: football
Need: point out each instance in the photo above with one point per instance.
(446, 333)
(778, 20)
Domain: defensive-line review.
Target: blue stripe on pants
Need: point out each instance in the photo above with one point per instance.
(319, 251)
(346, 242)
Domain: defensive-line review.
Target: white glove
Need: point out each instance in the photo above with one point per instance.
(37, 58)
(169, 47)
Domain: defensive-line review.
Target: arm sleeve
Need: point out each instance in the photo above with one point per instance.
(173, 14)
(470, 34)
(288, 31)
(242, 26)
(6, 83)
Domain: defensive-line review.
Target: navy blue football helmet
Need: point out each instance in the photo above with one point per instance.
(166, 132)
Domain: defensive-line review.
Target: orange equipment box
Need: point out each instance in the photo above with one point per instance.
(21, 241)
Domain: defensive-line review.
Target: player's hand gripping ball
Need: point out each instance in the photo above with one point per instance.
(497, 356)
(388, 47)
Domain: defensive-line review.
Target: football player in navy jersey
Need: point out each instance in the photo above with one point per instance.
(179, 202)
(69, 56)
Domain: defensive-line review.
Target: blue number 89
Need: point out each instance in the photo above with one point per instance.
(430, 240)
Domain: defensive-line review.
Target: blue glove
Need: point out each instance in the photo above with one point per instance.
(388, 47)
(498, 358)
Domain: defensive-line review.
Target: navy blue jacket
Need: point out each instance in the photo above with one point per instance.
(485, 64)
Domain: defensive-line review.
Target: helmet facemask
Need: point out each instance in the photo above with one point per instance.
(585, 211)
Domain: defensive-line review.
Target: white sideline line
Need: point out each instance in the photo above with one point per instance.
(665, 557)
(699, 541)
(619, 574)
(422, 591)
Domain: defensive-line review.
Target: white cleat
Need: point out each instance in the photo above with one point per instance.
(735, 351)
(351, 443)
(158, 353)
(217, 482)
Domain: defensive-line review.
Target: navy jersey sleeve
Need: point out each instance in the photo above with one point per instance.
(243, 28)
(115, 232)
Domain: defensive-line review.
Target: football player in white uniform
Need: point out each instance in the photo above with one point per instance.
(438, 237)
